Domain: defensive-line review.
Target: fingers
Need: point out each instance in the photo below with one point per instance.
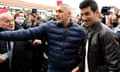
(76, 69)
(2, 59)
(37, 42)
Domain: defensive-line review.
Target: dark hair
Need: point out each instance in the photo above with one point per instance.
(17, 14)
(89, 3)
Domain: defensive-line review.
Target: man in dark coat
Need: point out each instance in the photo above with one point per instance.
(64, 37)
(102, 48)
(5, 48)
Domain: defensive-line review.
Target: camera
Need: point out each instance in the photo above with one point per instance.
(106, 10)
(34, 10)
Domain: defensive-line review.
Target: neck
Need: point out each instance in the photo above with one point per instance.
(97, 20)
(66, 23)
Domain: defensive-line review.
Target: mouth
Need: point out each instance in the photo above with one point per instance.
(57, 18)
(11, 26)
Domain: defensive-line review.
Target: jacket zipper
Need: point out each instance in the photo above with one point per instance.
(64, 40)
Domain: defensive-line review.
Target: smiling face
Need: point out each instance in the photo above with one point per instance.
(89, 17)
(89, 12)
(63, 14)
(7, 21)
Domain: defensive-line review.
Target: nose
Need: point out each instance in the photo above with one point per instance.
(84, 18)
(56, 14)
(11, 22)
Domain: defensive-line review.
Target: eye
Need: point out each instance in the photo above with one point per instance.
(86, 13)
(6, 21)
(59, 11)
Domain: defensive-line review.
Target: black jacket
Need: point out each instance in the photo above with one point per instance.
(103, 49)
(21, 56)
(4, 66)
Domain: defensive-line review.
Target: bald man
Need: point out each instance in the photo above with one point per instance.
(64, 38)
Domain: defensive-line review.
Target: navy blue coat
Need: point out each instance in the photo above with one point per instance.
(63, 42)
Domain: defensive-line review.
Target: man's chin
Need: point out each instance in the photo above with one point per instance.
(11, 28)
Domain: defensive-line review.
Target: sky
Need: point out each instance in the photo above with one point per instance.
(75, 3)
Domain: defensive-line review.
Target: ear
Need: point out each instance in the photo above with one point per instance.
(69, 14)
(97, 13)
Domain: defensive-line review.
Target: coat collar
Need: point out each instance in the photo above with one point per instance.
(95, 27)
(70, 23)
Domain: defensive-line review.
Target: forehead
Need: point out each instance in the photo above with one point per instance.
(6, 17)
(21, 14)
(62, 7)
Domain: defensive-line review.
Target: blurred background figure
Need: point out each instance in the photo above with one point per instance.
(78, 19)
(38, 46)
(22, 54)
(109, 16)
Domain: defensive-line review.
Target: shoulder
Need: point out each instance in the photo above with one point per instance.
(78, 30)
(78, 27)
(106, 32)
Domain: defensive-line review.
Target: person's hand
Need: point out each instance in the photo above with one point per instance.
(76, 69)
(2, 59)
(37, 42)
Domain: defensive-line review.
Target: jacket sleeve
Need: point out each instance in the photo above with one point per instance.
(24, 34)
(111, 51)
(118, 34)
(82, 55)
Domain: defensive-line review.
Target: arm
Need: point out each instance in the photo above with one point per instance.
(23, 34)
(118, 34)
(81, 53)
(111, 51)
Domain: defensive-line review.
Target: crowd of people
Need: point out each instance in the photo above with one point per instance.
(27, 55)
(88, 43)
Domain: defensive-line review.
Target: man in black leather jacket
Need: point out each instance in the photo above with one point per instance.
(103, 47)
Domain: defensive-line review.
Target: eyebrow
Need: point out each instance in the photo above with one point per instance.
(86, 13)
(59, 10)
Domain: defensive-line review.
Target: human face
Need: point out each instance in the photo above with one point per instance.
(7, 22)
(62, 15)
(20, 18)
(88, 16)
(21, 15)
(118, 17)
